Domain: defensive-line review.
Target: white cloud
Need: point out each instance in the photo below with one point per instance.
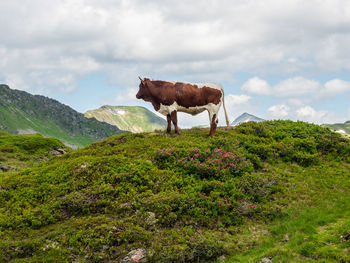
(279, 111)
(335, 87)
(295, 87)
(171, 38)
(232, 99)
(16, 82)
(125, 97)
(307, 113)
(256, 86)
(51, 45)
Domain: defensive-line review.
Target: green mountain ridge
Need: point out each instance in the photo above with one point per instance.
(343, 128)
(21, 112)
(128, 118)
(273, 189)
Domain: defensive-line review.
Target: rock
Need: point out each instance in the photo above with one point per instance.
(151, 219)
(5, 168)
(137, 255)
(222, 258)
(346, 237)
(57, 151)
(286, 238)
(266, 260)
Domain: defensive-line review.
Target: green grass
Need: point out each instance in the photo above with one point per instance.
(24, 151)
(188, 198)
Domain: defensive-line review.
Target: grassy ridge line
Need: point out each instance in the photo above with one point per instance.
(184, 199)
(24, 151)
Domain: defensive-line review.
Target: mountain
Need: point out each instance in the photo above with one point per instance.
(21, 112)
(128, 118)
(343, 128)
(245, 117)
(276, 189)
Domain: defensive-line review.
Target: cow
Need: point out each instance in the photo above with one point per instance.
(169, 97)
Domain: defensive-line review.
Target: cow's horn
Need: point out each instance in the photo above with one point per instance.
(140, 78)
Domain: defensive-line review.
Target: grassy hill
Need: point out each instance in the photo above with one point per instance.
(128, 118)
(23, 151)
(343, 128)
(21, 112)
(275, 189)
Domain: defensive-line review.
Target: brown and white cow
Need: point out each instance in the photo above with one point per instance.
(169, 97)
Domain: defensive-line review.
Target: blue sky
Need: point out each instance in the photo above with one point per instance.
(275, 59)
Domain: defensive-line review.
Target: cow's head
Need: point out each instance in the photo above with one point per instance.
(144, 92)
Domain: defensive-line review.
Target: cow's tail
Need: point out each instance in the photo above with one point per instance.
(223, 102)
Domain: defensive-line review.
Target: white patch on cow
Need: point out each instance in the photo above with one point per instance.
(210, 107)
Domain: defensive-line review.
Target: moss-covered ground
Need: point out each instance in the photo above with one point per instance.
(276, 189)
(23, 151)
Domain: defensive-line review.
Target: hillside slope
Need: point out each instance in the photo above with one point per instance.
(343, 128)
(19, 152)
(274, 189)
(21, 112)
(128, 118)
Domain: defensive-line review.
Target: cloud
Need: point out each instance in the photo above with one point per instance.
(334, 87)
(232, 99)
(309, 114)
(303, 113)
(295, 87)
(163, 38)
(279, 111)
(256, 86)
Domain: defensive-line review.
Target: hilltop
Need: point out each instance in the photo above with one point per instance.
(19, 152)
(21, 112)
(276, 189)
(128, 118)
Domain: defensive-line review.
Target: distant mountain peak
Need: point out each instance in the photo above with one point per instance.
(128, 118)
(245, 117)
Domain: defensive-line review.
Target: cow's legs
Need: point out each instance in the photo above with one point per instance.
(168, 117)
(174, 119)
(213, 124)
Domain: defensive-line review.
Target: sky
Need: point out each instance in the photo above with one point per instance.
(275, 59)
